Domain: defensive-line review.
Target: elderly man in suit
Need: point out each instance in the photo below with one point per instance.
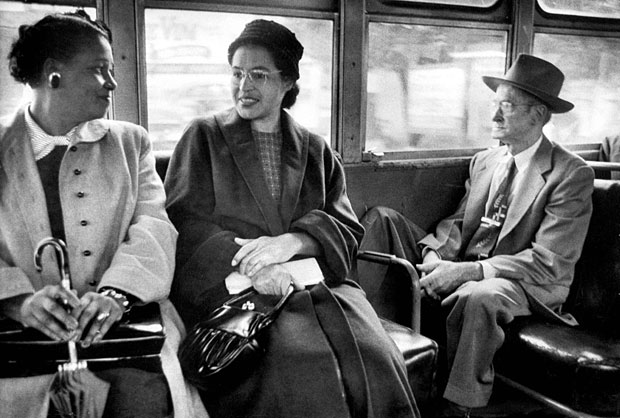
(511, 246)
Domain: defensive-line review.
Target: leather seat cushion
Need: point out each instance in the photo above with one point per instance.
(575, 366)
(420, 355)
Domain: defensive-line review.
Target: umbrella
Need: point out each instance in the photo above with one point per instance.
(75, 392)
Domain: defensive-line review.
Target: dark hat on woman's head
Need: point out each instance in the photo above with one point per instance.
(273, 36)
(535, 76)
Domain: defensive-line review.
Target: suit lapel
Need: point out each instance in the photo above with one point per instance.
(237, 133)
(23, 182)
(478, 196)
(527, 192)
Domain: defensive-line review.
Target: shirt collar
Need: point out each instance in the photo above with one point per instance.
(43, 143)
(523, 159)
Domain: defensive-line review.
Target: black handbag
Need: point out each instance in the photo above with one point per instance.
(136, 341)
(220, 350)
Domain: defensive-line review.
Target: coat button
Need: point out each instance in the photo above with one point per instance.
(80, 194)
(86, 253)
(77, 171)
(92, 283)
(73, 148)
(84, 223)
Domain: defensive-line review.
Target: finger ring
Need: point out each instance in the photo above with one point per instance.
(98, 331)
(103, 316)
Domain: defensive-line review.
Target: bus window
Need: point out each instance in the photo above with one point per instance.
(12, 16)
(604, 9)
(187, 71)
(468, 3)
(425, 88)
(592, 84)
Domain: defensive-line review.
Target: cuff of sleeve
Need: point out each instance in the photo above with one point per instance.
(488, 270)
(427, 250)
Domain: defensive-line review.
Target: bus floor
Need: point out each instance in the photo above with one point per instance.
(507, 402)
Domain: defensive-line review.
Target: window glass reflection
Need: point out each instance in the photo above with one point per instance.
(599, 8)
(12, 16)
(590, 65)
(425, 88)
(188, 73)
(469, 3)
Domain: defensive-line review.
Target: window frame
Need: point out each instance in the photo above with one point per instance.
(269, 9)
(559, 24)
(366, 156)
(572, 20)
(351, 18)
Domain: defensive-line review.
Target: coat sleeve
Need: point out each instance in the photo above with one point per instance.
(335, 225)
(143, 263)
(448, 236)
(203, 246)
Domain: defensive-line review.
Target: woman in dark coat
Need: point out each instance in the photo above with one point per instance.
(249, 189)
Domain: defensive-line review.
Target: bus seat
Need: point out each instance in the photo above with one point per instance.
(579, 367)
(419, 351)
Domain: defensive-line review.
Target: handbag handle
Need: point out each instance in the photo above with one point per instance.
(251, 290)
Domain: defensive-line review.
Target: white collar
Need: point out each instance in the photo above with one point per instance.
(43, 143)
(523, 159)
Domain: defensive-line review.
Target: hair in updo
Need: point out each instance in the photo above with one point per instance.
(58, 36)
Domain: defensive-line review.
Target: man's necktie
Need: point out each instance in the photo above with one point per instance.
(483, 242)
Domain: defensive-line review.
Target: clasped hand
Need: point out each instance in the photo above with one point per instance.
(260, 260)
(439, 277)
(62, 316)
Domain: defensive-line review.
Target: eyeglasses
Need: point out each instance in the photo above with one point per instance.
(257, 77)
(506, 106)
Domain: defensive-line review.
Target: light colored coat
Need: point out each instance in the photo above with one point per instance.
(110, 183)
(545, 227)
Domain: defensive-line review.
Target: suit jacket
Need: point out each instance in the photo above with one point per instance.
(217, 191)
(131, 241)
(545, 226)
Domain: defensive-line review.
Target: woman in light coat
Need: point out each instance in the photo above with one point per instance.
(66, 172)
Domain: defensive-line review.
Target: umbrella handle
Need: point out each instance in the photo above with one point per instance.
(65, 281)
(73, 357)
(62, 256)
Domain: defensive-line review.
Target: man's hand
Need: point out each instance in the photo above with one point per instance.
(443, 277)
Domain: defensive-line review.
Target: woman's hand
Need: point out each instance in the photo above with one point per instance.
(255, 254)
(274, 280)
(100, 312)
(48, 311)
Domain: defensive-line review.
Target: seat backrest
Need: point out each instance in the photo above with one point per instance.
(162, 159)
(594, 298)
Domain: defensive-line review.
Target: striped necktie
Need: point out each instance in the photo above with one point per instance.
(483, 242)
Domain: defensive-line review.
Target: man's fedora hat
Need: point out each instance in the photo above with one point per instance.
(536, 76)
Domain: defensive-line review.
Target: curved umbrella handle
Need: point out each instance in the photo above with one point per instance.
(62, 255)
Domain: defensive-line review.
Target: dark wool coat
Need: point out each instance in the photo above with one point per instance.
(327, 354)
(217, 191)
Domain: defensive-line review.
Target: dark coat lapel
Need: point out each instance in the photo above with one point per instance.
(294, 160)
(237, 133)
